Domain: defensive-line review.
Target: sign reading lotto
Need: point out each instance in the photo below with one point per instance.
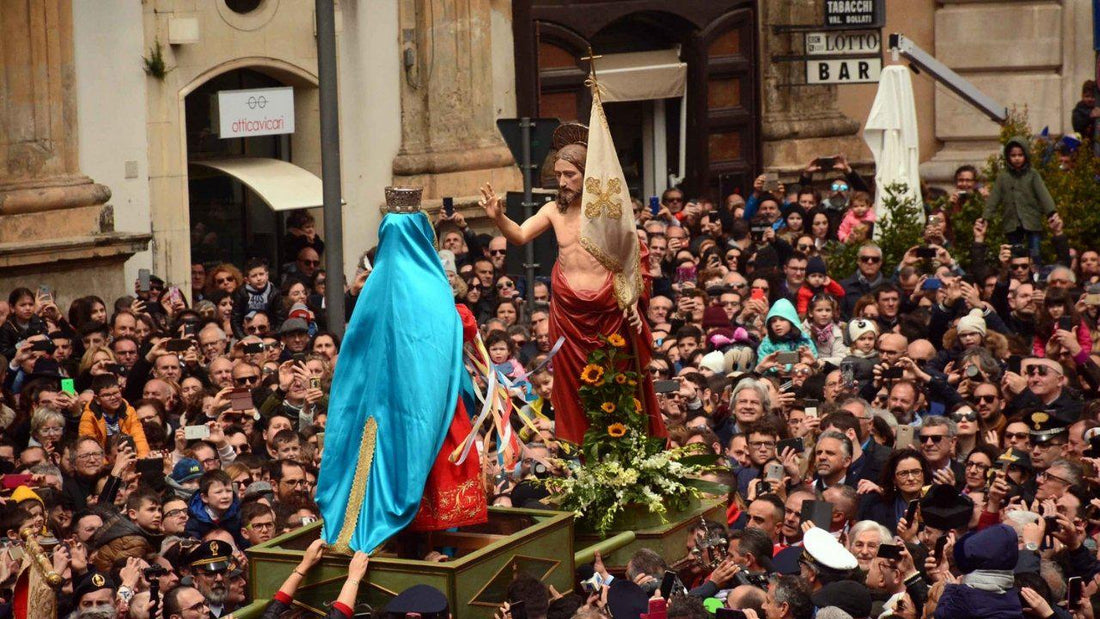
(843, 71)
(830, 43)
(255, 112)
(853, 14)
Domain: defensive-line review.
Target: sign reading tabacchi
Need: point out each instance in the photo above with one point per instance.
(255, 112)
(852, 13)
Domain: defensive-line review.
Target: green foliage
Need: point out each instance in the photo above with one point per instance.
(622, 465)
(154, 62)
(899, 228)
(1073, 187)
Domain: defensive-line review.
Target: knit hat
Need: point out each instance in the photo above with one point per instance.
(715, 316)
(816, 264)
(714, 361)
(187, 469)
(972, 322)
(858, 326)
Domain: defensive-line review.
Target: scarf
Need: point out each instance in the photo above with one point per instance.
(995, 581)
(258, 299)
(822, 335)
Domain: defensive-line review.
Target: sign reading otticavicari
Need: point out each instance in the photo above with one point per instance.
(255, 112)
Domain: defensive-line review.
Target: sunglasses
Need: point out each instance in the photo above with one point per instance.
(1038, 370)
(935, 438)
(1017, 436)
(223, 280)
(840, 186)
(870, 259)
(986, 399)
(247, 380)
(1020, 267)
(506, 285)
(497, 252)
(957, 417)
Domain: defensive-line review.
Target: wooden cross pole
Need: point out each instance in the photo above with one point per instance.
(591, 58)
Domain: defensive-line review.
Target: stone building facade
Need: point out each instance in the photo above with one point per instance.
(104, 169)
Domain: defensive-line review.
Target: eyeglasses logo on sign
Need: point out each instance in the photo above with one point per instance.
(255, 112)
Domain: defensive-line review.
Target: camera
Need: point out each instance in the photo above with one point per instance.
(154, 571)
(759, 579)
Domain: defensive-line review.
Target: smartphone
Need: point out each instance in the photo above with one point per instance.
(941, 543)
(890, 551)
(654, 205)
(1092, 298)
(314, 382)
(174, 294)
(787, 356)
(667, 583)
(903, 437)
(810, 407)
(177, 345)
(911, 511)
(44, 292)
(1074, 589)
(773, 471)
(150, 468)
(67, 386)
(192, 433)
(1065, 323)
(771, 181)
(143, 280)
(518, 610)
(825, 163)
(666, 386)
(1014, 363)
(685, 274)
(253, 348)
(818, 512)
(240, 400)
(926, 253)
(787, 386)
(1020, 251)
(794, 443)
(128, 441)
(729, 613)
(893, 373)
(758, 295)
(11, 482)
(116, 368)
(45, 346)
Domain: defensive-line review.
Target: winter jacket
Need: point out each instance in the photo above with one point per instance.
(201, 522)
(242, 306)
(1084, 339)
(94, 425)
(1020, 195)
(797, 339)
(832, 351)
(11, 333)
(851, 220)
(806, 294)
(993, 551)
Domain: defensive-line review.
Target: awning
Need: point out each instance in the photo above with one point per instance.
(283, 186)
(641, 76)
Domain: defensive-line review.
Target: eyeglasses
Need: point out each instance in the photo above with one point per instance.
(979, 466)
(957, 417)
(117, 393)
(90, 456)
(256, 329)
(762, 444)
(1043, 475)
(265, 526)
(914, 473)
(198, 606)
(870, 259)
(297, 483)
(497, 252)
(175, 512)
(935, 438)
(247, 380)
(214, 460)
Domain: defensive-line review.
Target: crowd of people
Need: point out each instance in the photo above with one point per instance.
(913, 442)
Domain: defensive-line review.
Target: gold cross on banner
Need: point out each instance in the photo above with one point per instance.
(591, 58)
(605, 200)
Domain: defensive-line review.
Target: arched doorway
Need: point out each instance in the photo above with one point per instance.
(232, 216)
(720, 149)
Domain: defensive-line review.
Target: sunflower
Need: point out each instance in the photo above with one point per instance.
(637, 405)
(616, 430)
(592, 374)
(620, 379)
(616, 340)
(607, 407)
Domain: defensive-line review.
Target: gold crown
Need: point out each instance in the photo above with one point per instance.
(402, 200)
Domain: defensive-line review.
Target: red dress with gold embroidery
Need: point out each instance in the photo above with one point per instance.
(454, 495)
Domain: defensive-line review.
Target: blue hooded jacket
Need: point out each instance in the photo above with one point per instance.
(797, 339)
(200, 523)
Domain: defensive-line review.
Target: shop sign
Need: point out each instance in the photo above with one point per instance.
(853, 14)
(835, 43)
(255, 112)
(843, 71)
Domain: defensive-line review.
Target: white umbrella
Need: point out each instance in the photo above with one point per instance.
(891, 133)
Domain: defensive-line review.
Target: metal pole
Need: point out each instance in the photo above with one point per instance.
(330, 165)
(526, 126)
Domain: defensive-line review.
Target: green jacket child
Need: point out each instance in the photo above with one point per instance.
(1019, 193)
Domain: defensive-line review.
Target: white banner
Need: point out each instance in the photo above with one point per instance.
(255, 112)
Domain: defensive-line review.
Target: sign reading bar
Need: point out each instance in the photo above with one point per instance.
(829, 43)
(852, 14)
(843, 71)
(255, 112)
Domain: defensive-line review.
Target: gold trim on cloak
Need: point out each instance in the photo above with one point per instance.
(358, 487)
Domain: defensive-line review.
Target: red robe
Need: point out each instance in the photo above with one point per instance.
(581, 317)
(454, 495)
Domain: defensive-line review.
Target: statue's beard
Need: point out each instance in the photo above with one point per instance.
(566, 198)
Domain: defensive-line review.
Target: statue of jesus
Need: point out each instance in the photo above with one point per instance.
(583, 305)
